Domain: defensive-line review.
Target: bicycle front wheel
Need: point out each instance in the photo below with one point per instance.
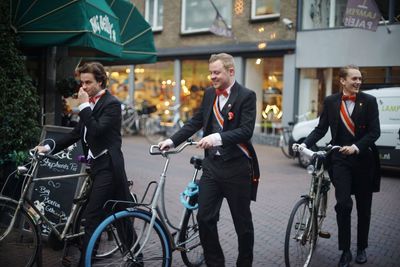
(23, 241)
(148, 246)
(301, 235)
(189, 240)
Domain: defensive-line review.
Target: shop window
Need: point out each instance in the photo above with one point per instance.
(195, 79)
(265, 9)
(199, 15)
(265, 75)
(154, 86)
(154, 14)
(118, 82)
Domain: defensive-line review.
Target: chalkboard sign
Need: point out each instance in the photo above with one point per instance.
(54, 197)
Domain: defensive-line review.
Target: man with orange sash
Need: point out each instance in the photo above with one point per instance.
(353, 118)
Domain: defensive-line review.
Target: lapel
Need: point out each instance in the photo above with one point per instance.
(337, 102)
(232, 98)
(208, 106)
(100, 102)
(358, 107)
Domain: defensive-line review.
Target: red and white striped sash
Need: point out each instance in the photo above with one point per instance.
(346, 119)
(220, 120)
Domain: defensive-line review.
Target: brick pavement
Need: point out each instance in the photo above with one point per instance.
(282, 182)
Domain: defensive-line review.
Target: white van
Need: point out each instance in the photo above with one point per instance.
(389, 116)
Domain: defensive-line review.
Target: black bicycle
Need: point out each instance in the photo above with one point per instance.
(20, 220)
(308, 214)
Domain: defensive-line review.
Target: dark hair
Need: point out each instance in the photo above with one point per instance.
(344, 71)
(97, 70)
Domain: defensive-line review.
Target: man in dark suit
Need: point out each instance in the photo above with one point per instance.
(230, 168)
(353, 118)
(99, 130)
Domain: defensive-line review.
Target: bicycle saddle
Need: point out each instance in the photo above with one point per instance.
(196, 161)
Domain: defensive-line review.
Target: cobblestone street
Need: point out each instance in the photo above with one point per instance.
(282, 183)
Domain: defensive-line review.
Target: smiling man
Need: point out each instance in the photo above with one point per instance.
(353, 118)
(230, 168)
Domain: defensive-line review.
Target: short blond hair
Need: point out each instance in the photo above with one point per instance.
(226, 59)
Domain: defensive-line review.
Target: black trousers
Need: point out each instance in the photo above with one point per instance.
(352, 175)
(231, 180)
(103, 189)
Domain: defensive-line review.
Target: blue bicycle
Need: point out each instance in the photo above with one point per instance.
(153, 240)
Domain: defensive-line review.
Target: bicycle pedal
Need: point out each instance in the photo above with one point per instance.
(323, 234)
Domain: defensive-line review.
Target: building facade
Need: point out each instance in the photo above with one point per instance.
(323, 45)
(262, 43)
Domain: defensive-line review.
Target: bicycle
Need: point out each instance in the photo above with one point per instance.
(284, 139)
(157, 130)
(20, 220)
(309, 212)
(134, 120)
(154, 241)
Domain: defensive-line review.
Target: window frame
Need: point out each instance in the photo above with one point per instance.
(154, 26)
(200, 30)
(255, 17)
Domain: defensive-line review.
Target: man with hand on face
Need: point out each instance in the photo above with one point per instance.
(353, 118)
(99, 130)
(230, 168)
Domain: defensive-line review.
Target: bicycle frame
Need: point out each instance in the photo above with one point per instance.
(161, 214)
(23, 199)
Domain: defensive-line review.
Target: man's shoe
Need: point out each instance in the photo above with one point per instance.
(345, 259)
(361, 256)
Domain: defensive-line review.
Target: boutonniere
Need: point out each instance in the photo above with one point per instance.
(230, 116)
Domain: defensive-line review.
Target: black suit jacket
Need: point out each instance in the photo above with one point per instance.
(103, 125)
(242, 104)
(367, 128)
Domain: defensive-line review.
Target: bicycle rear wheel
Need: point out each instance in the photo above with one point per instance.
(189, 240)
(23, 241)
(153, 243)
(301, 234)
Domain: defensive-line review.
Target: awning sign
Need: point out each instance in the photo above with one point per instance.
(362, 14)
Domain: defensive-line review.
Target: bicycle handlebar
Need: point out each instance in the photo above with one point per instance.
(155, 150)
(309, 153)
(38, 155)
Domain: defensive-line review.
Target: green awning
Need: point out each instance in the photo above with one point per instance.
(136, 35)
(81, 24)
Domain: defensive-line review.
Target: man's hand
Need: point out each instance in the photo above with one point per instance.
(348, 150)
(205, 142)
(83, 97)
(42, 149)
(166, 144)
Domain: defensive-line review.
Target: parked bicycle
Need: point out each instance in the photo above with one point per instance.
(156, 129)
(134, 120)
(154, 239)
(20, 220)
(284, 139)
(308, 214)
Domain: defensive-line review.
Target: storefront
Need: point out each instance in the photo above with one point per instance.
(159, 84)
